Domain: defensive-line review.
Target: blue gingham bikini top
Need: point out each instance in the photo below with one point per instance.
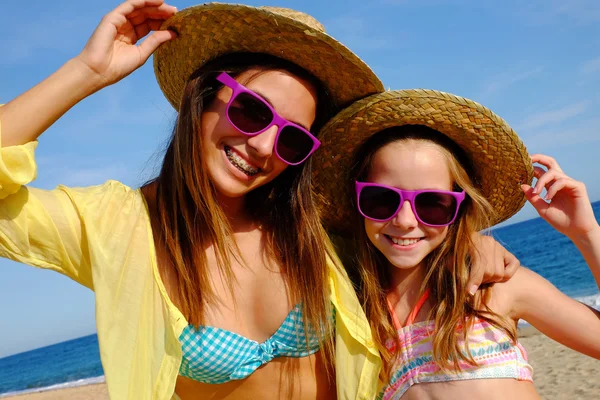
(214, 355)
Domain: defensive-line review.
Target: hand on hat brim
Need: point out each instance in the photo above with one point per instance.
(113, 52)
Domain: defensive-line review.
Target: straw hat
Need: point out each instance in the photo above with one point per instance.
(499, 157)
(208, 31)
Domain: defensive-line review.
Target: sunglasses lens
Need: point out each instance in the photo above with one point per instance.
(249, 114)
(378, 202)
(293, 144)
(435, 208)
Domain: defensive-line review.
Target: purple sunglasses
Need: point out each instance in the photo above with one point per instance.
(252, 115)
(430, 207)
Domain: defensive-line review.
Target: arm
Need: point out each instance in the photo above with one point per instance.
(589, 246)
(567, 208)
(55, 229)
(556, 315)
(110, 55)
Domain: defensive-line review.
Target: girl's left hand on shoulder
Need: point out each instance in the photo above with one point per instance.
(566, 205)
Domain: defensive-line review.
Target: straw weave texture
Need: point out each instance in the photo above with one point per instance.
(499, 156)
(208, 31)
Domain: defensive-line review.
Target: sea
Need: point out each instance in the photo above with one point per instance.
(77, 362)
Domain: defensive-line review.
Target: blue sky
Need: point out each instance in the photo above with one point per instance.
(535, 63)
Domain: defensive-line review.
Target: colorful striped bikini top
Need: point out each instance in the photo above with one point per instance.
(496, 355)
(214, 355)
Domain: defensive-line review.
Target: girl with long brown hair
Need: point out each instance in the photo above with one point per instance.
(423, 178)
(216, 279)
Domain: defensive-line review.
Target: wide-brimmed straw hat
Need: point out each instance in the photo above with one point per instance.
(499, 157)
(208, 31)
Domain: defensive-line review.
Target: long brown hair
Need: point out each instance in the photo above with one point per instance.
(189, 218)
(447, 267)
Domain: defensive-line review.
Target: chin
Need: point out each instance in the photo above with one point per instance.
(405, 263)
(232, 190)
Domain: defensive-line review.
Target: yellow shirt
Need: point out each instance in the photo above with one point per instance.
(101, 237)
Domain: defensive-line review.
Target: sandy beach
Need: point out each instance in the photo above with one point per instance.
(89, 392)
(559, 374)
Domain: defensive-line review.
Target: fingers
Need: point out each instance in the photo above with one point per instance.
(131, 6)
(153, 41)
(546, 161)
(566, 183)
(475, 279)
(479, 262)
(491, 262)
(545, 179)
(535, 199)
(146, 27)
(511, 265)
(139, 16)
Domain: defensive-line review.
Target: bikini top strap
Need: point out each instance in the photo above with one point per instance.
(411, 317)
(397, 324)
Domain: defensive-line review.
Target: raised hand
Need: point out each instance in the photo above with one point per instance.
(112, 51)
(566, 205)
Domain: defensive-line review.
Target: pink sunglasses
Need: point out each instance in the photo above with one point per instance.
(252, 115)
(431, 207)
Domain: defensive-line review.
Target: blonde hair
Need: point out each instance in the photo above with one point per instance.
(447, 267)
(189, 218)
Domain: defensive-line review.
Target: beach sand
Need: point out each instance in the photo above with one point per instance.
(559, 374)
(89, 392)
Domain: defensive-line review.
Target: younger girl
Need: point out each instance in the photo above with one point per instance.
(433, 170)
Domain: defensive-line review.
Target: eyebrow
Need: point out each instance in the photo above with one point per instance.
(265, 98)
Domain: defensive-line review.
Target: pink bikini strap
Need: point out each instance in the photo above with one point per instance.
(397, 324)
(411, 318)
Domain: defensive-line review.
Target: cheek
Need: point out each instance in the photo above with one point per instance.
(278, 165)
(436, 235)
(372, 229)
(215, 126)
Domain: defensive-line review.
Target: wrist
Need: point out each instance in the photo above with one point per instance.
(85, 80)
(588, 238)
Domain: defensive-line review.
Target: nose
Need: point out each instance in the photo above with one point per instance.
(262, 145)
(405, 218)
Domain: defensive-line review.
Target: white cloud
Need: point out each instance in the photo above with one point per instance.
(355, 33)
(25, 41)
(423, 3)
(536, 12)
(582, 11)
(506, 79)
(553, 117)
(591, 66)
(580, 134)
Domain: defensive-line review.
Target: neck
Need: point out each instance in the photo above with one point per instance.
(236, 212)
(405, 288)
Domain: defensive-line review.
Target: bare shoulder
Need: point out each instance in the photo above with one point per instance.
(505, 296)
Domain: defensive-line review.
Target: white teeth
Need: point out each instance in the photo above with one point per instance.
(403, 242)
(240, 163)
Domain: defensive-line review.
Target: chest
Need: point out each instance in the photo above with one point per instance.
(249, 297)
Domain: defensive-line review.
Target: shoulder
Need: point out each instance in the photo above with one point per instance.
(508, 298)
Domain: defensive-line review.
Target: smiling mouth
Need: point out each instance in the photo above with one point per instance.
(403, 242)
(240, 163)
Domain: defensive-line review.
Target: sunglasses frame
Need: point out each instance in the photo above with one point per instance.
(410, 196)
(278, 120)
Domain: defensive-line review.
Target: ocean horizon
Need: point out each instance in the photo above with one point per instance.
(76, 362)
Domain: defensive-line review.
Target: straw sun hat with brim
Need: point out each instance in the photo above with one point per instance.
(499, 157)
(207, 31)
